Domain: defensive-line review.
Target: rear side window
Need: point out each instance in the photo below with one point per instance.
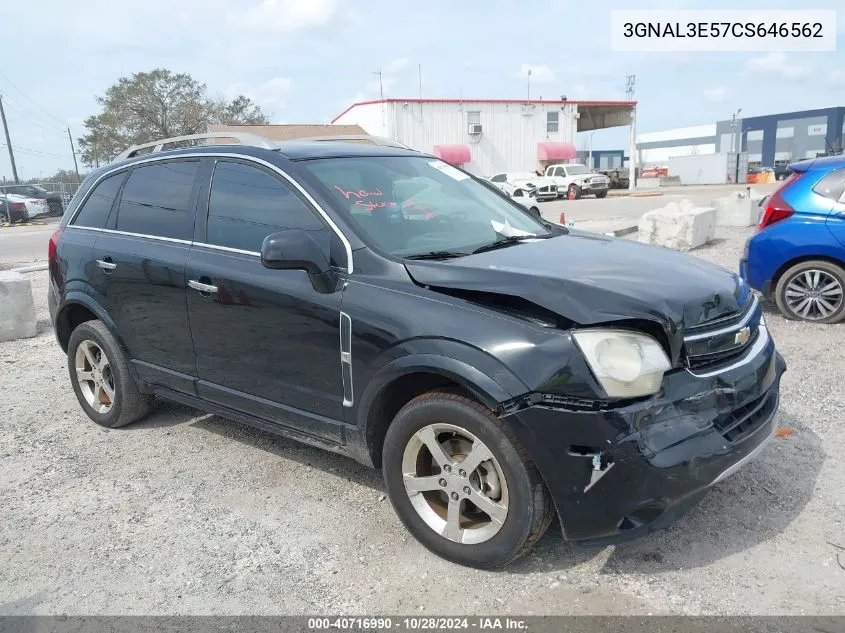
(247, 204)
(95, 212)
(831, 186)
(157, 200)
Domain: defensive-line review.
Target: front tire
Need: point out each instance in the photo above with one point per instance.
(461, 483)
(812, 291)
(99, 373)
(573, 191)
(56, 209)
(601, 194)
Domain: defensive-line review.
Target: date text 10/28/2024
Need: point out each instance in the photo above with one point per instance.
(423, 623)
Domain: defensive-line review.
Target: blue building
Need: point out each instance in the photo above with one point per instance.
(779, 139)
(774, 139)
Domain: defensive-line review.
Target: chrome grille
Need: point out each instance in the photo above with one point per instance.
(721, 341)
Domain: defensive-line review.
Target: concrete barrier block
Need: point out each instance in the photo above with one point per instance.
(678, 226)
(648, 183)
(17, 309)
(736, 211)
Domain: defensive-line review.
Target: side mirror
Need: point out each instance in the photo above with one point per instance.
(295, 249)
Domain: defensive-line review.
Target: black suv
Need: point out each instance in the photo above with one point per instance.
(385, 305)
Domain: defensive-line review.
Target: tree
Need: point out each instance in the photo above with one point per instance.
(158, 104)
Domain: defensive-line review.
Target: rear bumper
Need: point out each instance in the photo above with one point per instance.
(659, 457)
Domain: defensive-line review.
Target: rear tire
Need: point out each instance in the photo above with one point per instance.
(99, 373)
(812, 291)
(425, 489)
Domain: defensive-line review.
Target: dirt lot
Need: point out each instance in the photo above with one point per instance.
(188, 513)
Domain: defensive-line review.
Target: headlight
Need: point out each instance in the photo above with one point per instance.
(627, 364)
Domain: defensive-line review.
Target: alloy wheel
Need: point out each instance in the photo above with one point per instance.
(455, 483)
(813, 294)
(93, 372)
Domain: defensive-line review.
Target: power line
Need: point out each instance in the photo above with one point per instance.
(34, 152)
(28, 116)
(30, 100)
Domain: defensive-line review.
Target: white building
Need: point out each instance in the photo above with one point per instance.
(656, 148)
(486, 136)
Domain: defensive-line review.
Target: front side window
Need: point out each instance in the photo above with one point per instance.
(157, 200)
(95, 212)
(247, 204)
(410, 206)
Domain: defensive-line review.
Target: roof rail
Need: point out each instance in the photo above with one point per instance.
(352, 138)
(244, 138)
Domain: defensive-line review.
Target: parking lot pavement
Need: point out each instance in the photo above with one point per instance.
(187, 513)
(25, 243)
(625, 209)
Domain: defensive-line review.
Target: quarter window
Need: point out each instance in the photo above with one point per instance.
(95, 212)
(499, 178)
(157, 200)
(247, 204)
(831, 186)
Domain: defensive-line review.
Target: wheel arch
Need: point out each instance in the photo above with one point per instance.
(78, 308)
(801, 259)
(403, 379)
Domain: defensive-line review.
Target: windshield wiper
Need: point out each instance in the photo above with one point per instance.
(508, 241)
(436, 255)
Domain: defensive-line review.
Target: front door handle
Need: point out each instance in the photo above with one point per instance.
(206, 289)
(106, 264)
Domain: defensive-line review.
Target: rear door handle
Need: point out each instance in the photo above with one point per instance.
(106, 264)
(202, 288)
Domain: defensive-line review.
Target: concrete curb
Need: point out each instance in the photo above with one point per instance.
(642, 194)
(35, 268)
(623, 232)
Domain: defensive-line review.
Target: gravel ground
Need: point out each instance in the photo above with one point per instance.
(186, 513)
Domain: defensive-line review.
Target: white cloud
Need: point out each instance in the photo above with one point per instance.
(285, 16)
(775, 63)
(836, 78)
(270, 95)
(715, 95)
(396, 65)
(539, 74)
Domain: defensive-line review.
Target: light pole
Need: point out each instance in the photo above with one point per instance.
(734, 117)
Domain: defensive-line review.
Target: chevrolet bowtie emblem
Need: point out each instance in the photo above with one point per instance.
(742, 336)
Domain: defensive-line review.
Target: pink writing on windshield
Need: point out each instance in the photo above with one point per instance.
(369, 206)
(361, 193)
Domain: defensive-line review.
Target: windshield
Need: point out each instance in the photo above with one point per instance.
(577, 170)
(409, 206)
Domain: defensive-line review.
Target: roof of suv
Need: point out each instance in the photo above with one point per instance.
(288, 149)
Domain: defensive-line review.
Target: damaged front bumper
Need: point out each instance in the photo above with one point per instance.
(620, 473)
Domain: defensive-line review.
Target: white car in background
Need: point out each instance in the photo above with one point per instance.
(509, 182)
(20, 208)
(526, 200)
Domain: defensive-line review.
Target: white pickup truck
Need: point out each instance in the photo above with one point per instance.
(578, 180)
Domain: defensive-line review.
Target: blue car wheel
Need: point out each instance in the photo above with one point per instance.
(812, 291)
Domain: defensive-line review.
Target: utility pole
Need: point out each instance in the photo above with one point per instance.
(529, 85)
(9, 142)
(380, 85)
(73, 151)
(630, 82)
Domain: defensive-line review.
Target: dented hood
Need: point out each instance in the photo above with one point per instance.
(590, 279)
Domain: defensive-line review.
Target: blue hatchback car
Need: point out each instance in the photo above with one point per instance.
(797, 254)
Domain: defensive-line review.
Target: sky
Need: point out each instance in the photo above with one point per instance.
(305, 61)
